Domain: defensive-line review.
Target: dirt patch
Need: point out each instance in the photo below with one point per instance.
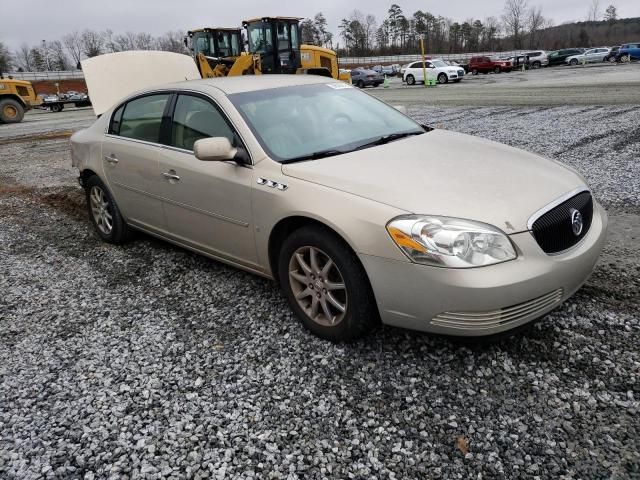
(39, 137)
(69, 200)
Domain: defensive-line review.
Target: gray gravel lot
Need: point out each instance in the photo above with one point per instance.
(147, 361)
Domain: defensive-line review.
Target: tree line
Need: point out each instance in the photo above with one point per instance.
(520, 26)
(66, 53)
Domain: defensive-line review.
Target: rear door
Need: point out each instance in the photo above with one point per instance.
(131, 152)
(207, 203)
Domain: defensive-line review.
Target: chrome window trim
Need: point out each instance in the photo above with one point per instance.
(553, 204)
(166, 147)
(175, 92)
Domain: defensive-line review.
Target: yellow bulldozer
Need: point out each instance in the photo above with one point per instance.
(274, 47)
(16, 97)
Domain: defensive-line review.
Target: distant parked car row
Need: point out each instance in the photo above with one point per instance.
(444, 71)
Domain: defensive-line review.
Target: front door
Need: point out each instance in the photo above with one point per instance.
(207, 203)
(131, 152)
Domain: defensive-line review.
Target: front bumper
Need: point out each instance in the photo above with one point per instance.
(484, 300)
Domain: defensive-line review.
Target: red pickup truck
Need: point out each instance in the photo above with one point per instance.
(489, 64)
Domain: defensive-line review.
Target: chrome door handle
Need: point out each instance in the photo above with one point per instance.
(170, 176)
(111, 158)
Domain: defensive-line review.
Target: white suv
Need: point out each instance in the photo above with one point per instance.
(538, 59)
(436, 69)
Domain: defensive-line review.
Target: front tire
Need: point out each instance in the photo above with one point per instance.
(104, 213)
(573, 62)
(326, 285)
(360, 84)
(474, 71)
(497, 70)
(442, 78)
(11, 111)
(411, 80)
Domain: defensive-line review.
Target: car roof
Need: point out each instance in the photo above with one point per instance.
(251, 83)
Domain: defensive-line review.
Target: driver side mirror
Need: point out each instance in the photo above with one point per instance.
(218, 149)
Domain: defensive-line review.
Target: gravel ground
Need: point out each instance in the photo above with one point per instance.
(147, 361)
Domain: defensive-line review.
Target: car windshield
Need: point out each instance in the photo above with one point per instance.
(439, 63)
(313, 121)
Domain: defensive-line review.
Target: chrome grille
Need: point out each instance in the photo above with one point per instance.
(496, 318)
(552, 230)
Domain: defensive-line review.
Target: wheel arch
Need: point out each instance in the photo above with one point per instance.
(13, 96)
(285, 226)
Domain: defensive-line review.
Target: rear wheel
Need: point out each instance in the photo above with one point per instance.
(536, 65)
(11, 111)
(474, 71)
(442, 78)
(326, 285)
(104, 212)
(411, 80)
(496, 70)
(360, 84)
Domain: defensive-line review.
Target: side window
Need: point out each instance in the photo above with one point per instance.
(195, 118)
(142, 118)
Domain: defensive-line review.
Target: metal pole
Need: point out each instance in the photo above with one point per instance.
(424, 68)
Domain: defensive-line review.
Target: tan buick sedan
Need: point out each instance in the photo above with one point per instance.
(360, 213)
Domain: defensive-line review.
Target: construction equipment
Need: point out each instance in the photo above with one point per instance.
(274, 47)
(218, 52)
(16, 97)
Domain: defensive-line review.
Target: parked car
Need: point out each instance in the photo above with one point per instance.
(366, 78)
(629, 51)
(611, 57)
(558, 57)
(288, 177)
(537, 59)
(593, 55)
(436, 69)
(388, 70)
(486, 64)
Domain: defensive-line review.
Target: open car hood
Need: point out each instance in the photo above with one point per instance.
(113, 76)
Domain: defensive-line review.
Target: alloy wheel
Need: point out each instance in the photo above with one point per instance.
(100, 210)
(318, 286)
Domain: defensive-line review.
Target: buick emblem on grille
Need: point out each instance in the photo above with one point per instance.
(576, 221)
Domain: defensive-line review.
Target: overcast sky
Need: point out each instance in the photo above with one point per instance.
(35, 20)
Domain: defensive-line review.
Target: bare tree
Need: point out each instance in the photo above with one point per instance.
(73, 43)
(514, 16)
(125, 42)
(611, 13)
(58, 60)
(172, 42)
(144, 41)
(6, 60)
(92, 43)
(594, 11)
(535, 21)
(110, 45)
(23, 58)
(370, 27)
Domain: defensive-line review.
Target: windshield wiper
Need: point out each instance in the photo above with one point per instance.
(386, 139)
(315, 155)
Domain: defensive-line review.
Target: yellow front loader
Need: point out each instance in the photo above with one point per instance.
(16, 97)
(274, 47)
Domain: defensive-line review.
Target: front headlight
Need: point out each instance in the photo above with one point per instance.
(450, 242)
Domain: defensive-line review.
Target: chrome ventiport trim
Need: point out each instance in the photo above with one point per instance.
(554, 204)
